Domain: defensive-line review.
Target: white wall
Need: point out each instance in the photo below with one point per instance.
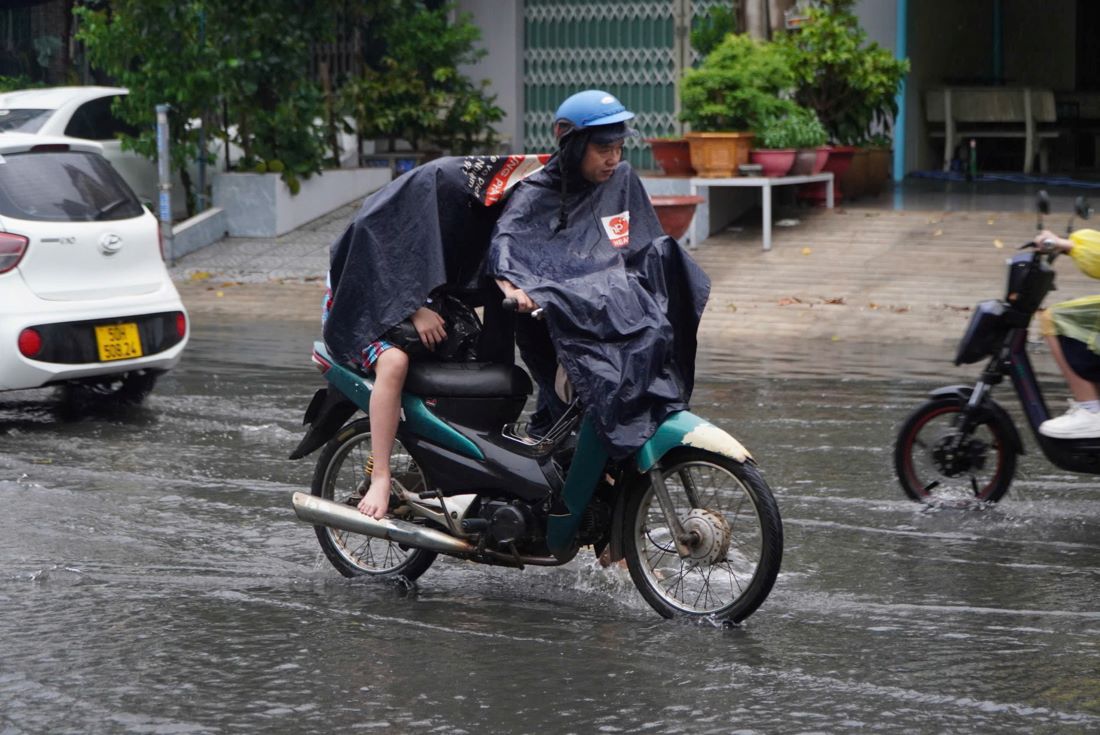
(501, 24)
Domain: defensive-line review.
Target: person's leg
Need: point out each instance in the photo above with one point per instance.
(1081, 368)
(541, 360)
(1082, 390)
(390, 370)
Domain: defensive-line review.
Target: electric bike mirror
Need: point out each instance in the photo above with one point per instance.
(1042, 202)
(1082, 208)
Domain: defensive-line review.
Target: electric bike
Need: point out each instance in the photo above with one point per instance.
(689, 511)
(962, 445)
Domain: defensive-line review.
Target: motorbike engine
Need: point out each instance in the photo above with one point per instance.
(508, 523)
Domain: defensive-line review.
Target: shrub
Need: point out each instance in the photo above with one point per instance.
(739, 84)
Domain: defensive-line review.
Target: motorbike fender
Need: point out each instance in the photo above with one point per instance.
(685, 429)
(327, 412)
(994, 409)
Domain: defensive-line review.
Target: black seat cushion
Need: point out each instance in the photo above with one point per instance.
(466, 379)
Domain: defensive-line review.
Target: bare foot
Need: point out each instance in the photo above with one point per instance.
(377, 500)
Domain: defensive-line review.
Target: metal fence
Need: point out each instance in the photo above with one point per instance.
(634, 49)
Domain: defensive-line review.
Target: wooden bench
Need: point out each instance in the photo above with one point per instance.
(992, 112)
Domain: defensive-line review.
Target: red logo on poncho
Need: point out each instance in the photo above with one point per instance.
(617, 227)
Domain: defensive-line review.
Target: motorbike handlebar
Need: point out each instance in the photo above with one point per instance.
(510, 304)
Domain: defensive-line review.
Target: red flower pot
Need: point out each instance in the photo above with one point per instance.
(675, 213)
(839, 158)
(775, 162)
(673, 155)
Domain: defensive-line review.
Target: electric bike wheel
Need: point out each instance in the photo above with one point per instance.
(340, 477)
(737, 538)
(936, 462)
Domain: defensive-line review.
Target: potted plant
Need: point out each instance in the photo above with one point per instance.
(741, 82)
(879, 156)
(777, 144)
(850, 83)
(673, 155)
(810, 138)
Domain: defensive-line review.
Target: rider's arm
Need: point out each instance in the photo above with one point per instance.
(1086, 251)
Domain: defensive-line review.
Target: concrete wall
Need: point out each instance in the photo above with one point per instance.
(501, 24)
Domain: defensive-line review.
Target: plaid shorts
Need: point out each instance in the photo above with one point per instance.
(373, 351)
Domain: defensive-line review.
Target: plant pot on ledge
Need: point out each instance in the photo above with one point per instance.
(717, 155)
(840, 157)
(774, 161)
(675, 213)
(673, 155)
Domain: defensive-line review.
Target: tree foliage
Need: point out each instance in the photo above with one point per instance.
(413, 89)
(739, 84)
(849, 82)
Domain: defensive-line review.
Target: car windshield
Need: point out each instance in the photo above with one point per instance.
(23, 121)
(63, 186)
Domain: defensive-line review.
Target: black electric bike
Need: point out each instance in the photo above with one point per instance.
(962, 445)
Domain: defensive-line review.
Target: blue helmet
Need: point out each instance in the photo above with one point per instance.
(591, 108)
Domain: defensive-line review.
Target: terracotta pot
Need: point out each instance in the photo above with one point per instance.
(776, 162)
(878, 169)
(717, 155)
(852, 184)
(675, 212)
(837, 162)
(673, 155)
(803, 162)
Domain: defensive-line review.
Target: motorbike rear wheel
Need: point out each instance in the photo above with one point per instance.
(730, 512)
(340, 477)
(937, 463)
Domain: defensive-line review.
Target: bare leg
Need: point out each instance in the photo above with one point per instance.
(1082, 390)
(385, 411)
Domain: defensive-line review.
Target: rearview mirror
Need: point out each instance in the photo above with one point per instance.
(1082, 208)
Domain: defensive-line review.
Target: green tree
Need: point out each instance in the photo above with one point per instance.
(413, 90)
(154, 48)
(849, 82)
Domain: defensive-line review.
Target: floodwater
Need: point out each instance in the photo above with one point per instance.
(153, 578)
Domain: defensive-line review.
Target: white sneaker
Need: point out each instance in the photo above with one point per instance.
(1076, 423)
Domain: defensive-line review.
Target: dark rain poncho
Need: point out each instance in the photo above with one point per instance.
(428, 229)
(622, 301)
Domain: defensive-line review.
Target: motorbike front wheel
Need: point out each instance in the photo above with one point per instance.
(937, 462)
(340, 477)
(736, 538)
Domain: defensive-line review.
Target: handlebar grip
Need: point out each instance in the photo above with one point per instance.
(509, 304)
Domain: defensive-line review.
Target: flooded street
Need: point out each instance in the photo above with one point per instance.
(154, 579)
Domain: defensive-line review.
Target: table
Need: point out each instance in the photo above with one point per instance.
(766, 183)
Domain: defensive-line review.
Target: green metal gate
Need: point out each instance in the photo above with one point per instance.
(634, 49)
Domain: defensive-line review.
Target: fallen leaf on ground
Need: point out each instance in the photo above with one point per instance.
(998, 244)
(788, 300)
(834, 300)
(200, 276)
(219, 294)
(731, 307)
(229, 284)
(937, 233)
(989, 222)
(806, 251)
(900, 309)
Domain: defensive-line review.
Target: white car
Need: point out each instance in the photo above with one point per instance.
(85, 298)
(85, 112)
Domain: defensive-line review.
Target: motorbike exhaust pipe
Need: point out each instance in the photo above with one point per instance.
(319, 511)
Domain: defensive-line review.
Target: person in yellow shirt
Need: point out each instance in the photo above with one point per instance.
(1072, 329)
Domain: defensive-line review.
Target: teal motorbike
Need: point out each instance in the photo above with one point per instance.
(689, 512)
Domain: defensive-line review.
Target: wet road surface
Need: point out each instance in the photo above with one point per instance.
(153, 579)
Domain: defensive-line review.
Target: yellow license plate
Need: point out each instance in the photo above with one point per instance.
(118, 341)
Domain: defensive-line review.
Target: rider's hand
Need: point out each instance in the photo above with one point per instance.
(429, 326)
(1048, 242)
(524, 303)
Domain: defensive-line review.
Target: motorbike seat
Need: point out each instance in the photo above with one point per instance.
(467, 380)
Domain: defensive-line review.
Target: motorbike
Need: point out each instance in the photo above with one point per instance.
(690, 511)
(961, 445)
